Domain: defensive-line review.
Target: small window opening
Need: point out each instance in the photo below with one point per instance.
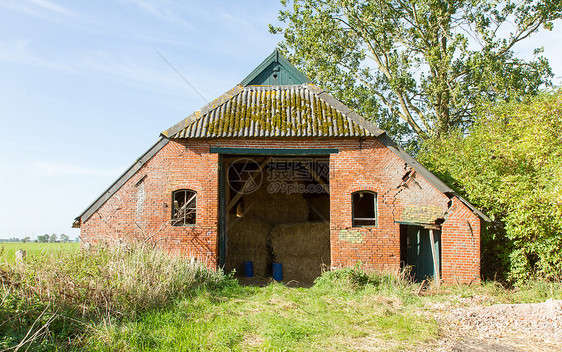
(364, 208)
(184, 209)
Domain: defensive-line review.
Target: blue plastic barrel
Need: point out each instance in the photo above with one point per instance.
(248, 269)
(277, 271)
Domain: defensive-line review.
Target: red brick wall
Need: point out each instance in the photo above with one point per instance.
(376, 168)
(402, 195)
(176, 166)
(460, 245)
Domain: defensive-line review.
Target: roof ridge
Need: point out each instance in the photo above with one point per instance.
(273, 87)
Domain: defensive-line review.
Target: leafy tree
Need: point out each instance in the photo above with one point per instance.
(427, 62)
(53, 238)
(25, 239)
(511, 165)
(64, 238)
(43, 239)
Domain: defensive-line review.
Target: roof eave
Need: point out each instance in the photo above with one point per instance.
(132, 170)
(472, 207)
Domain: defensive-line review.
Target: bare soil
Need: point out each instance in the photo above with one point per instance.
(501, 327)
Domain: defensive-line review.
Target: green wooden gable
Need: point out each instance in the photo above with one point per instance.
(275, 70)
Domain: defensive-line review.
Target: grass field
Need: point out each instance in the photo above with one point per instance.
(7, 249)
(274, 318)
(138, 300)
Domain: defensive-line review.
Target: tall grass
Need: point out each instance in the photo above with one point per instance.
(69, 291)
(142, 299)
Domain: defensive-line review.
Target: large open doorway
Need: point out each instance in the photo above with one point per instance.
(420, 251)
(275, 209)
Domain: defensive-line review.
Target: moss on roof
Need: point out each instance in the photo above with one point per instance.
(279, 113)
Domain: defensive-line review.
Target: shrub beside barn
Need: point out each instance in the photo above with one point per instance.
(278, 170)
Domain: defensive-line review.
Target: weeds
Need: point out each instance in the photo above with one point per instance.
(110, 283)
(138, 299)
(57, 297)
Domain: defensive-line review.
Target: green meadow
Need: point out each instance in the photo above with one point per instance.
(7, 249)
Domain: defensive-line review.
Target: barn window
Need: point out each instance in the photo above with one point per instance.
(364, 208)
(184, 209)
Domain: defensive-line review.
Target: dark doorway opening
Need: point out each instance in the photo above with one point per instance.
(275, 208)
(416, 252)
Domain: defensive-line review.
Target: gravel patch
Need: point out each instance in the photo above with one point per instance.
(501, 327)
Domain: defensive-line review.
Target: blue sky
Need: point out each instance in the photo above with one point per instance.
(83, 92)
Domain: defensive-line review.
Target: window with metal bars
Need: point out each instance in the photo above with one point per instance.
(184, 207)
(364, 208)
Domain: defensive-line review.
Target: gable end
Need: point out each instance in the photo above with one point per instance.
(275, 70)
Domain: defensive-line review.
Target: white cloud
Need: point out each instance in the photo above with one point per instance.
(162, 10)
(47, 5)
(115, 66)
(38, 8)
(128, 69)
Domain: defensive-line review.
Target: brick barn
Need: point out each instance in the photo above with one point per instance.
(278, 170)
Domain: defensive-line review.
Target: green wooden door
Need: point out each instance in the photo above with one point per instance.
(418, 252)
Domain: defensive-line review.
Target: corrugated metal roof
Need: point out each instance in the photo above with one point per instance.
(276, 111)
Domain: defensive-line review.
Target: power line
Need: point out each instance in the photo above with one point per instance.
(178, 72)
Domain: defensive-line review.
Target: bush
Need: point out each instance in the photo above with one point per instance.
(347, 277)
(510, 165)
(357, 278)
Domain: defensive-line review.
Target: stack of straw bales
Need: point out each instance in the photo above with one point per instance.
(275, 208)
(302, 249)
(248, 240)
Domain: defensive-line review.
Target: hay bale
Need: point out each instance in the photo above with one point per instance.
(309, 239)
(248, 232)
(302, 269)
(248, 240)
(276, 208)
(302, 249)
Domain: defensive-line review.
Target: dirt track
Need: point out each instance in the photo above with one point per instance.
(500, 327)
